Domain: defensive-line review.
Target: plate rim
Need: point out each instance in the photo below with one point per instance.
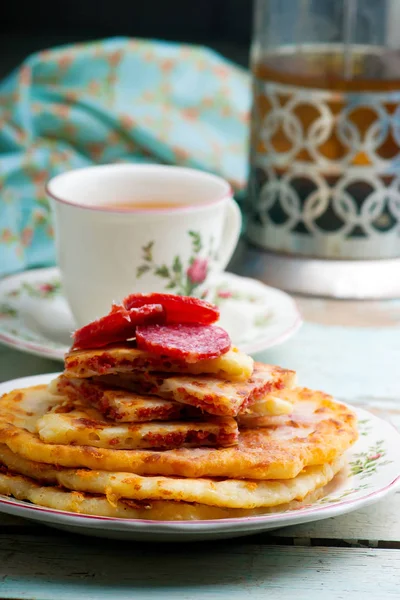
(235, 524)
(260, 344)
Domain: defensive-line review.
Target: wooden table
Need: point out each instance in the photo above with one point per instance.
(350, 349)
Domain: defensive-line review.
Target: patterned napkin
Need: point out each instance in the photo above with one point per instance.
(117, 100)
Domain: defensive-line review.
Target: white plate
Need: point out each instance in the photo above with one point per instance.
(373, 471)
(35, 317)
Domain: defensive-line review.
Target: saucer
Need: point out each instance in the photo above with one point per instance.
(35, 317)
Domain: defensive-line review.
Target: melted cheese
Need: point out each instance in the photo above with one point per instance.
(210, 394)
(81, 427)
(233, 365)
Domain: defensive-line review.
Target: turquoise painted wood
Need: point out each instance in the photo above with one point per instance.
(379, 524)
(350, 363)
(65, 569)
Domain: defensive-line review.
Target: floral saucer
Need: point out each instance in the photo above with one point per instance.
(35, 317)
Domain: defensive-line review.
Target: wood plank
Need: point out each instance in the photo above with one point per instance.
(11, 521)
(377, 523)
(351, 313)
(73, 568)
(347, 362)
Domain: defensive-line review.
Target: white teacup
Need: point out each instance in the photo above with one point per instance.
(139, 228)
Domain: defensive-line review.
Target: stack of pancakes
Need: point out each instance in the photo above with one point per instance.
(125, 433)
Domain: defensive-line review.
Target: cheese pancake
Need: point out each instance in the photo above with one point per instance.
(271, 405)
(25, 488)
(255, 416)
(119, 405)
(79, 427)
(229, 493)
(210, 394)
(126, 358)
(319, 430)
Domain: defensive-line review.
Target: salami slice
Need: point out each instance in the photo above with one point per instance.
(188, 342)
(179, 309)
(119, 325)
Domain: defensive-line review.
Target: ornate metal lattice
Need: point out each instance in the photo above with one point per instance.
(325, 172)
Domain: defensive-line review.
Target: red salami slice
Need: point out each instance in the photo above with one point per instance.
(188, 342)
(119, 325)
(179, 309)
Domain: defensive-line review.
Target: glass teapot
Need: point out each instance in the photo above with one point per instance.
(325, 130)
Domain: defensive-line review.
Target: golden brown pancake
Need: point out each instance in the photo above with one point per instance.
(228, 493)
(117, 404)
(271, 405)
(253, 417)
(126, 358)
(25, 488)
(209, 394)
(84, 428)
(318, 431)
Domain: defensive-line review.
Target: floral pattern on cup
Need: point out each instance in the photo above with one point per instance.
(197, 272)
(182, 279)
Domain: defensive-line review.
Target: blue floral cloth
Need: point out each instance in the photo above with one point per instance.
(118, 100)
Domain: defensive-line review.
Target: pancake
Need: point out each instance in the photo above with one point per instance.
(250, 420)
(79, 427)
(25, 488)
(119, 405)
(128, 406)
(210, 394)
(227, 493)
(271, 405)
(126, 358)
(318, 431)
(254, 416)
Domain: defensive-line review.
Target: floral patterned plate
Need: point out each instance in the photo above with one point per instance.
(35, 317)
(373, 471)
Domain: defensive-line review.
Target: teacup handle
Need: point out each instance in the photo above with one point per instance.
(231, 233)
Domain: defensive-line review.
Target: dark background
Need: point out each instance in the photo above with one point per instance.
(29, 26)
